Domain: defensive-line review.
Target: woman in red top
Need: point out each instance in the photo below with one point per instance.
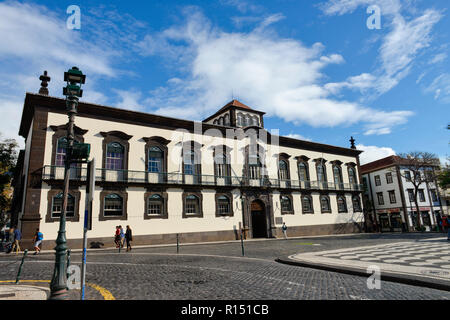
(117, 237)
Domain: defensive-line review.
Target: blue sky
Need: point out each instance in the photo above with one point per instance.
(314, 67)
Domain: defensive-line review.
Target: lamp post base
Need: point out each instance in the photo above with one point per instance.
(59, 295)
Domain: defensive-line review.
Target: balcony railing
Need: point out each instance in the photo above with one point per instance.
(130, 176)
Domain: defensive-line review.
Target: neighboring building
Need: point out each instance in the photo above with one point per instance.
(162, 182)
(391, 195)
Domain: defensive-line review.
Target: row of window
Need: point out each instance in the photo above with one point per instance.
(421, 194)
(406, 173)
(392, 198)
(115, 160)
(389, 179)
(156, 205)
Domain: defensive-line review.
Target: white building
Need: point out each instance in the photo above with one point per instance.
(165, 176)
(391, 195)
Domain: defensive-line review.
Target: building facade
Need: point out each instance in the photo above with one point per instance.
(391, 197)
(164, 176)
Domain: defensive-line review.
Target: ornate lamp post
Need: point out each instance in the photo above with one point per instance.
(58, 286)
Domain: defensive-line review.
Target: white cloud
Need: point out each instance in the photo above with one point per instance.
(438, 58)
(341, 7)
(401, 45)
(35, 39)
(277, 75)
(372, 153)
(10, 119)
(129, 99)
(440, 87)
(297, 136)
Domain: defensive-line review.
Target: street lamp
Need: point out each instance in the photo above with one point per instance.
(74, 152)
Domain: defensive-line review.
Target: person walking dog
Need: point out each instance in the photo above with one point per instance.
(128, 238)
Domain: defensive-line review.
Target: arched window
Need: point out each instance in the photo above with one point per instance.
(155, 205)
(254, 165)
(190, 163)
(303, 171)
(342, 205)
(321, 173)
(356, 204)
(57, 206)
(255, 121)
(192, 204)
(215, 122)
(221, 121)
(286, 204)
(283, 170)
(240, 119)
(307, 204)
(223, 205)
(115, 156)
(222, 166)
(61, 150)
(248, 120)
(325, 204)
(113, 205)
(226, 120)
(155, 159)
(352, 175)
(337, 174)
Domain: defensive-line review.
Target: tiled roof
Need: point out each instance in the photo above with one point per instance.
(379, 164)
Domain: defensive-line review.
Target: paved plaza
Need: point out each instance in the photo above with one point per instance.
(424, 260)
(218, 271)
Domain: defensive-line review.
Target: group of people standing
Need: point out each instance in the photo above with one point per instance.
(121, 237)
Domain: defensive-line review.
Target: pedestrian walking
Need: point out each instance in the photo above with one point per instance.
(122, 236)
(128, 238)
(38, 237)
(117, 237)
(17, 238)
(284, 228)
(446, 224)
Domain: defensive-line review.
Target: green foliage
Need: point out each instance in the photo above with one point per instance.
(444, 178)
(8, 158)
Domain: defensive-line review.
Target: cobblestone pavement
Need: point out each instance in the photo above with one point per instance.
(218, 271)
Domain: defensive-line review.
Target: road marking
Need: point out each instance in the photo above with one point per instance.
(106, 294)
(308, 244)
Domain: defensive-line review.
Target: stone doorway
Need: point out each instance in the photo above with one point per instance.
(259, 219)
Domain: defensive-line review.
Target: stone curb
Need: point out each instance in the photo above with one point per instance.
(385, 275)
(201, 243)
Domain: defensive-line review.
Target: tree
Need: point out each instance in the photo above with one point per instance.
(444, 177)
(417, 167)
(8, 158)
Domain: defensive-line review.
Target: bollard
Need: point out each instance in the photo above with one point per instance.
(20, 267)
(242, 244)
(178, 243)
